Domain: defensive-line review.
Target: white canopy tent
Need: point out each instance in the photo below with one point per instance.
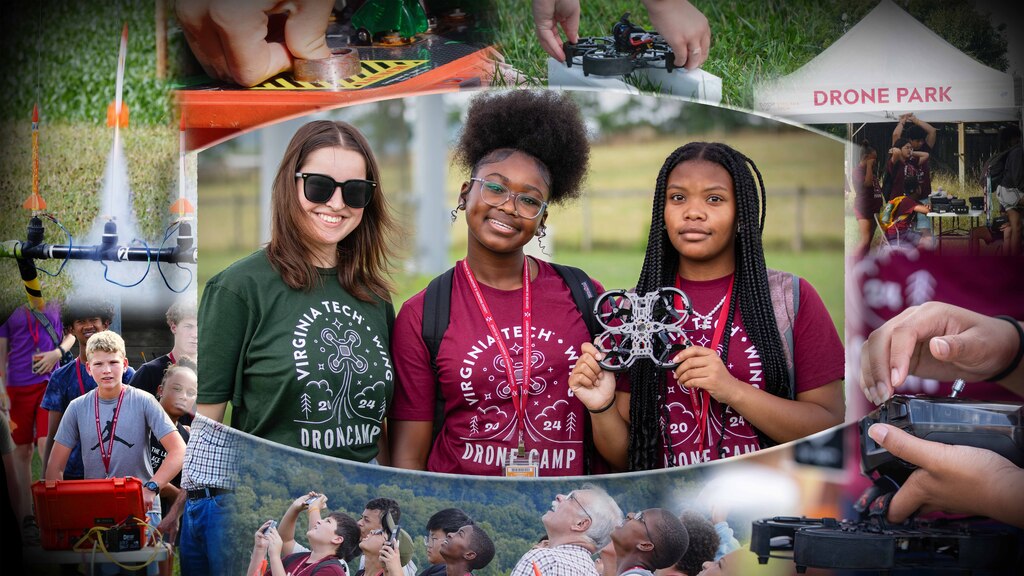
(886, 65)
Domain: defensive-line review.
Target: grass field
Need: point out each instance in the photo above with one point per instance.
(73, 158)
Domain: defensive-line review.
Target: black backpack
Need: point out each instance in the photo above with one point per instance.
(437, 311)
(993, 170)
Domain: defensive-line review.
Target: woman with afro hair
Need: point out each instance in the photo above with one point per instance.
(513, 329)
(766, 363)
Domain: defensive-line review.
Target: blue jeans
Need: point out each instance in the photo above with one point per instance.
(204, 546)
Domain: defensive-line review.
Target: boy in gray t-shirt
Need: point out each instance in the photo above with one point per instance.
(117, 443)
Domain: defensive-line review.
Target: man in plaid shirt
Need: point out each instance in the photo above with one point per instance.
(578, 525)
(208, 479)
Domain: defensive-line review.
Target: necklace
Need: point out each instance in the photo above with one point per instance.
(703, 321)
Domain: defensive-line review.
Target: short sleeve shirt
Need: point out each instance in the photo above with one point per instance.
(127, 439)
(67, 383)
(26, 336)
(480, 426)
(818, 357)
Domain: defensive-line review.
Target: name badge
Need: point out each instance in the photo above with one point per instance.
(521, 466)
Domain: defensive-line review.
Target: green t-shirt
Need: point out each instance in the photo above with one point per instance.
(305, 369)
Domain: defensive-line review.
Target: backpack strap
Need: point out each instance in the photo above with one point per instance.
(42, 319)
(785, 294)
(67, 355)
(584, 292)
(437, 303)
(294, 559)
(437, 313)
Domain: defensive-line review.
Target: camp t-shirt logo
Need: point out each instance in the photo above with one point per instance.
(343, 368)
(683, 423)
(553, 432)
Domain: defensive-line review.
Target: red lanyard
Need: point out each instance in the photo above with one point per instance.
(696, 394)
(106, 454)
(519, 390)
(170, 356)
(33, 333)
(78, 372)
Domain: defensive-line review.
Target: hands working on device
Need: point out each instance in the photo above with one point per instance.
(683, 26)
(942, 341)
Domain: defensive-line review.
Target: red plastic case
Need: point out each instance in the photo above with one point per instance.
(67, 509)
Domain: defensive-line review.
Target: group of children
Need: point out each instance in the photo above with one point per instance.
(94, 416)
(455, 544)
(586, 521)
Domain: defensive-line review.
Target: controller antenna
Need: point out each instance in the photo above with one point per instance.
(958, 387)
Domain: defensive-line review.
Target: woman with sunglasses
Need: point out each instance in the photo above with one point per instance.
(296, 334)
(513, 330)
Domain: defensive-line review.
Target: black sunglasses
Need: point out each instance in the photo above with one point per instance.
(318, 189)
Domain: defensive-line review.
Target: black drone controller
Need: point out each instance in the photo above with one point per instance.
(641, 326)
(846, 545)
(628, 48)
(996, 426)
(872, 543)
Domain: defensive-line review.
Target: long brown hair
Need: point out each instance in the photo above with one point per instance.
(363, 255)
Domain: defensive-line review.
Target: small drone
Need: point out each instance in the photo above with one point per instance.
(641, 326)
(630, 47)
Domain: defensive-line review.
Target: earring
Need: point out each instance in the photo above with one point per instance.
(455, 211)
(542, 232)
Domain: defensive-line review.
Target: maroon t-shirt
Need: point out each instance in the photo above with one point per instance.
(480, 426)
(818, 358)
(899, 171)
(868, 197)
(924, 172)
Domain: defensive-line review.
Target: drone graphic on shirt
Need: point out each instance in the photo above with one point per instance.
(344, 350)
(492, 423)
(536, 385)
(344, 405)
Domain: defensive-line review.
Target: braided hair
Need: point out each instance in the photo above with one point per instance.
(647, 410)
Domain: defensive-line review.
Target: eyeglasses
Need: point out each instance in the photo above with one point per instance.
(573, 498)
(639, 517)
(319, 189)
(376, 532)
(495, 194)
(428, 541)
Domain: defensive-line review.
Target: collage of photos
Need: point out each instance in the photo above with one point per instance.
(528, 288)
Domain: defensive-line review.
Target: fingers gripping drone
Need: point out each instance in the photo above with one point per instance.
(641, 326)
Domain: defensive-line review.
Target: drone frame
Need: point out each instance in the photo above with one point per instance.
(641, 326)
